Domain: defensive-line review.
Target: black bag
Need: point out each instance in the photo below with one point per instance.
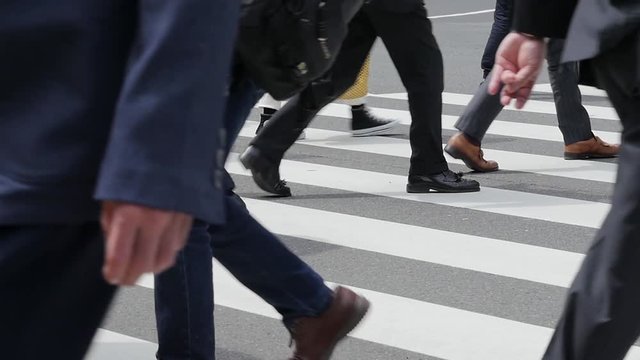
(286, 44)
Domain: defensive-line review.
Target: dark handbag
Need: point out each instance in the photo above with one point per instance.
(286, 44)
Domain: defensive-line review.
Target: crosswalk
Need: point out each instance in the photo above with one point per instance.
(450, 276)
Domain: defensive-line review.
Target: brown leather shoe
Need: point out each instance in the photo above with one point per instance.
(316, 337)
(459, 147)
(593, 148)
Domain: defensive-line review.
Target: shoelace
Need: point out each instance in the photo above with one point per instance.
(280, 185)
(456, 176)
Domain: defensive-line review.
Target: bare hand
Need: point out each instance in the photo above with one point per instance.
(140, 239)
(518, 63)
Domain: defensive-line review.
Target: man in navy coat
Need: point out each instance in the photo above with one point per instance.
(110, 122)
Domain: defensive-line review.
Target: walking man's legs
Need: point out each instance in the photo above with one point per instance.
(601, 319)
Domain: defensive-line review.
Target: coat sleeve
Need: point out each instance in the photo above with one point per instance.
(164, 148)
(544, 18)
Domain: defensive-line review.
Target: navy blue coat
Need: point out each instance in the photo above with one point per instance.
(112, 99)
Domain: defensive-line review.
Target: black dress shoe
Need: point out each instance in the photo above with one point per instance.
(265, 173)
(446, 181)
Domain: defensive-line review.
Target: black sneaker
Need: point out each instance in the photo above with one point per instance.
(446, 182)
(363, 123)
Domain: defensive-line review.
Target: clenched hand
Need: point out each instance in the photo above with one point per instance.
(518, 63)
(140, 239)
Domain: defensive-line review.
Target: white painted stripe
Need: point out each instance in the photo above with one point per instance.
(462, 14)
(498, 201)
(584, 90)
(502, 128)
(498, 257)
(538, 164)
(109, 345)
(413, 325)
(533, 106)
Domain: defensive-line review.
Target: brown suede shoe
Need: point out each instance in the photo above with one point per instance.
(316, 337)
(593, 148)
(461, 148)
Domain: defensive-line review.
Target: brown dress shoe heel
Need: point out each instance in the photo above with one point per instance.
(593, 148)
(459, 147)
(314, 338)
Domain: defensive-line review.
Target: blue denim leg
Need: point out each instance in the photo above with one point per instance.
(243, 95)
(264, 265)
(184, 302)
(502, 19)
(184, 293)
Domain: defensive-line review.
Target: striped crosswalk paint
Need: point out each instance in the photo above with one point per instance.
(414, 324)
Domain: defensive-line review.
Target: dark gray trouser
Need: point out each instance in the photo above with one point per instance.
(601, 319)
(573, 119)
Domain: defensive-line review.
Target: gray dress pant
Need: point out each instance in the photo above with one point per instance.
(573, 118)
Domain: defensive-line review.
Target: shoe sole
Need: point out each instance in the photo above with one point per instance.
(386, 129)
(426, 188)
(362, 307)
(457, 155)
(587, 156)
(247, 164)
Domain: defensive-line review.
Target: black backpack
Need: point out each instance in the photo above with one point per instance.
(286, 44)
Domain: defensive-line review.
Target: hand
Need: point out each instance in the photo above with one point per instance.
(140, 239)
(518, 62)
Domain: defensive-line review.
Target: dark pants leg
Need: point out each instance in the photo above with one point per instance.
(501, 26)
(282, 130)
(184, 293)
(184, 302)
(265, 266)
(408, 36)
(52, 294)
(601, 319)
(573, 118)
(480, 113)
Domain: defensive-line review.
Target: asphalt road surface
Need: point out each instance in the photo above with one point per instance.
(478, 276)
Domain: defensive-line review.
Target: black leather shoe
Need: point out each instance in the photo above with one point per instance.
(265, 173)
(446, 181)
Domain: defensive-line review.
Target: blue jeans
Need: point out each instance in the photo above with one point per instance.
(184, 293)
(502, 19)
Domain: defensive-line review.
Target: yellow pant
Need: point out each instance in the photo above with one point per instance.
(358, 91)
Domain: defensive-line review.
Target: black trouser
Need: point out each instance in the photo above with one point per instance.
(573, 119)
(502, 20)
(409, 39)
(602, 316)
(52, 294)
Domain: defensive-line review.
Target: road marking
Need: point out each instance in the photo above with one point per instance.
(584, 90)
(498, 127)
(462, 14)
(413, 325)
(532, 106)
(508, 160)
(505, 202)
(109, 345)
(498, 257)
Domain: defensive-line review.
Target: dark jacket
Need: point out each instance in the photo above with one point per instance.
(111, 99)
(591, 26)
